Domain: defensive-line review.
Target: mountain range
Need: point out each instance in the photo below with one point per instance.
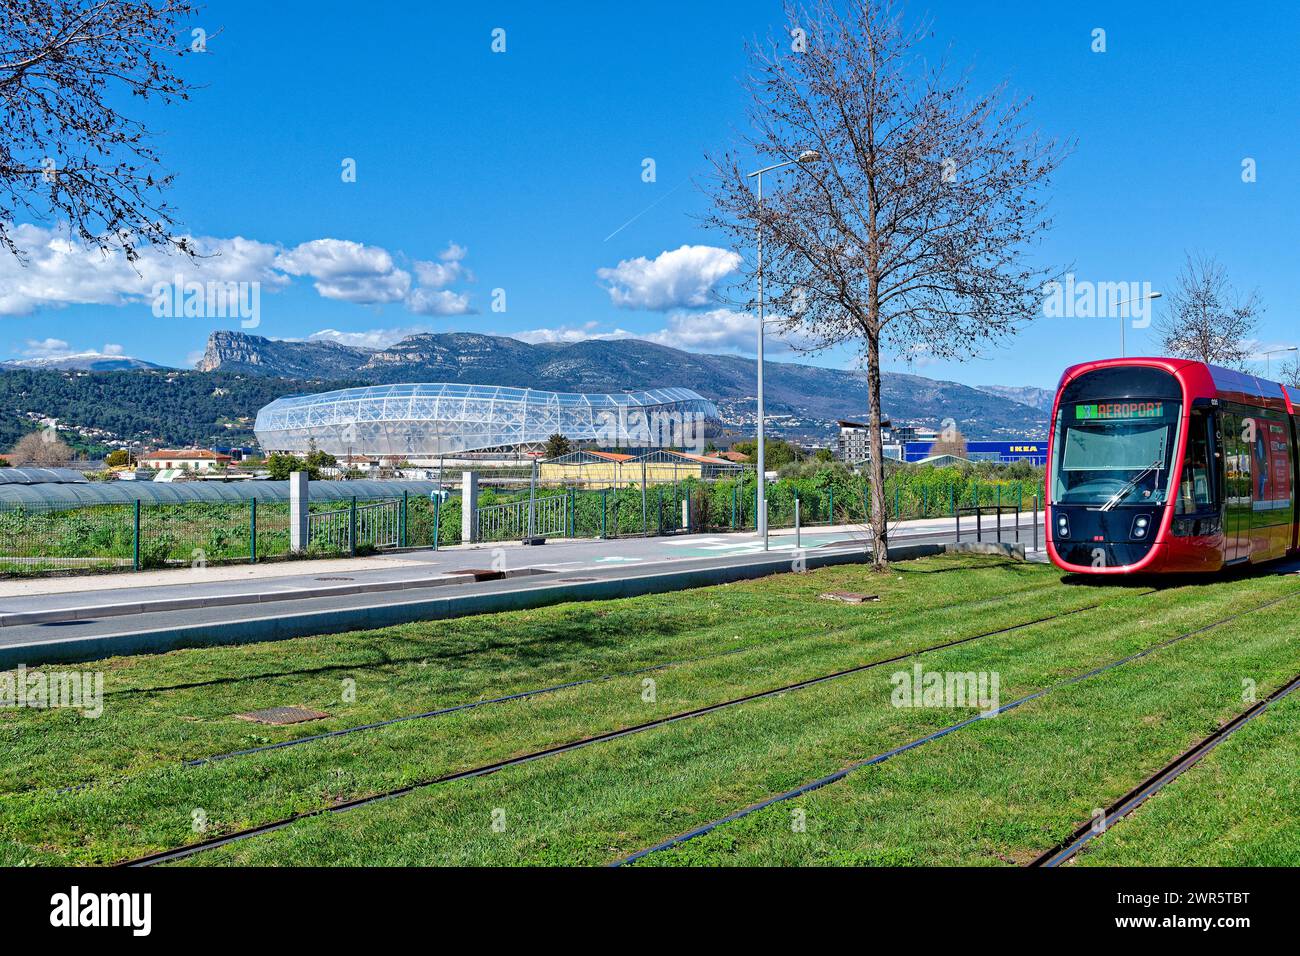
(101, 401)
(1039, 398)
(802, 392)
(80, 361)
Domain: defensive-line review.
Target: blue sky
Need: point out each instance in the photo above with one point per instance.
(522, 171)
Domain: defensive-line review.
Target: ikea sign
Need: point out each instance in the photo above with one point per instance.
(1033, 451)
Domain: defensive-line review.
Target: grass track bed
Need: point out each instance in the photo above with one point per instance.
(1239, 806)
(164, 709)
(589, 806)
(594, 805)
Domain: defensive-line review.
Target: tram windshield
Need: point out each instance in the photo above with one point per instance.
(1114, 453)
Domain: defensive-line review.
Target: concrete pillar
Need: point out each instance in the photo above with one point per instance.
(298, 497)
(686, 513)
(468, 506)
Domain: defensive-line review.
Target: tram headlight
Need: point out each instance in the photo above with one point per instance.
(1062, 526)
(1141, 524)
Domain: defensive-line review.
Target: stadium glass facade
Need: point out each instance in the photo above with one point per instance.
(429, 420)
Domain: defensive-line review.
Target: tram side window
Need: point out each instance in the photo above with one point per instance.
(1195, 490)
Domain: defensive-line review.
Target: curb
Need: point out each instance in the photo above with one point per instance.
(90, 612)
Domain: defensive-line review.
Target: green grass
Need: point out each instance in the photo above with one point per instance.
(1240, 806)
(994, 793)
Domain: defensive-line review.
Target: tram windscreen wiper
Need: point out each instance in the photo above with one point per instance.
(1133, 482)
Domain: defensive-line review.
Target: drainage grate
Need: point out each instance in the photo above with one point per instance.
(336, 579)
(282, 715)
(574, 580)
(849, 597)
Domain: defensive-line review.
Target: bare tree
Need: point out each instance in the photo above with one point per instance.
(41, 448)
(950, 442)
(912, 231)
(1289, 373)
(1206, 319)
(67, 151)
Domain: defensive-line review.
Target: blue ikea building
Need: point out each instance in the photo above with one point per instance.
(1033, 451)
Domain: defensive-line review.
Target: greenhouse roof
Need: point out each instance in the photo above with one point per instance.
(34, 476)
(59, 495)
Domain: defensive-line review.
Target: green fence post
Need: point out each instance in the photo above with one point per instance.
(735, 492)
(401, 522)
(437, 513)
(352, 527)
(660, 529)
(135, 561)
(252, 531)
(573, 513)
(604, 505)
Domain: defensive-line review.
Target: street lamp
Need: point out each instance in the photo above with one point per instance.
(1268, 361)
(805, 157)
(1122, 347)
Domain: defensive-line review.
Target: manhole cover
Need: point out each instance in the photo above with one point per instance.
(849, 597)
(282, 715)
(336, 579)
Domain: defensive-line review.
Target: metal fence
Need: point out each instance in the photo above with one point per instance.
(547, 515)
(355, 528)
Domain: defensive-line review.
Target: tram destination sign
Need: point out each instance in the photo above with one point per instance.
(1113, 411)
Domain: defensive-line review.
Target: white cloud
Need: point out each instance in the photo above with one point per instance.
(346, 270)
(569, 333)
(435, 275)
(680, 278)
(720, 330)
(45, 348)
(60, 272)
(438, 302)
(438, 275)
(371, 339)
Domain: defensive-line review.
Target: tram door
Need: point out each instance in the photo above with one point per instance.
(1238, 454)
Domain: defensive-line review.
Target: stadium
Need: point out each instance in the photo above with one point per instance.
(423, 421)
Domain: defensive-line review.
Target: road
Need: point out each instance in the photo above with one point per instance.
(274, 601)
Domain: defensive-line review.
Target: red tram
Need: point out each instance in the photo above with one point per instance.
(1166, 465)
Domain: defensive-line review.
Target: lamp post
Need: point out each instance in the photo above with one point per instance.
(1268, 360)
(805, 157)
(1123, 351)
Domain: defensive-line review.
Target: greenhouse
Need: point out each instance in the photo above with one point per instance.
(88, 494)
(428, 420)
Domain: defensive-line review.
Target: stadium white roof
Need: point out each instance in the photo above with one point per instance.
(425, 420)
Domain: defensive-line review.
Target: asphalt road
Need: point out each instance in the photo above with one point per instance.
(93, 624)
